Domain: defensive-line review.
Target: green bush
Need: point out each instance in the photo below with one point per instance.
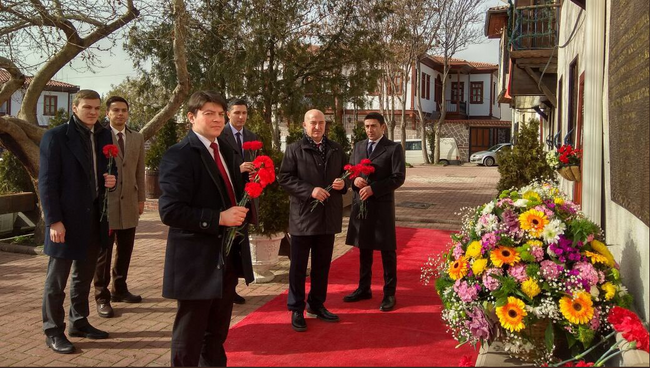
(526, 161)
(166, 137)
(61, 116)
(358, 133)
(13, 176)
(295, 134)
(431, 141)
(337, 134)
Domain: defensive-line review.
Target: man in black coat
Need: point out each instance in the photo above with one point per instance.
(235, 134)
(72, 182)
(377, 230)
(201, 185)
(308, 167)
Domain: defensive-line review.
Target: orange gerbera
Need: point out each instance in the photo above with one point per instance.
(503, 254)
(511, 315)
(533, 221)
(578, 310)
(458, 269)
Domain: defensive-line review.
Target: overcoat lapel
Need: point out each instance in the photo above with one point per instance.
(379, 149)
(210, 166)
(75, 145)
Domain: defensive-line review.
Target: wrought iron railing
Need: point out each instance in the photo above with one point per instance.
(535, 27)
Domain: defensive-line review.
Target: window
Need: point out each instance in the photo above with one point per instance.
(50, 104)
(457, 91)
(397, 81)
(414, 146)
(476, 92)
(493, 96)
(425, 90)
(3, 109)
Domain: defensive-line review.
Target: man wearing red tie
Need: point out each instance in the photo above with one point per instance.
(200, 185)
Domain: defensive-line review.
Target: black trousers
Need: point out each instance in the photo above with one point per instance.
(389, 262)
(125, 238)
(322, 247)
(201, 326)
(58, 271)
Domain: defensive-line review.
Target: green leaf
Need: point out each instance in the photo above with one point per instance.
(501, 302)
(585, 335)
(549, 337)
(571, 340)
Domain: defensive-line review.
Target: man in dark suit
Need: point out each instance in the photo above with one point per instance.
(125, 205)
(72, 183)
(201, 185)
(377, 230)
(235, 134)
(308, 167)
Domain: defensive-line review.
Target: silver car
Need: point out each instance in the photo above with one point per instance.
(489, 157)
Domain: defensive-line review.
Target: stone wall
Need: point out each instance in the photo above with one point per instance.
(460, 132)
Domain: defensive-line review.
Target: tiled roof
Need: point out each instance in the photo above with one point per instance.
(482, 123)
(459, 62)
(4, 77)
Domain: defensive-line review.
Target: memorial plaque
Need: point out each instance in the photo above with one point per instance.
(629, 106)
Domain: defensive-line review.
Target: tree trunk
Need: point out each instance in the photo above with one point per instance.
(418, 105)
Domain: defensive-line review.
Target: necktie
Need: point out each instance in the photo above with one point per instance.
(222, 171)
(241, 150)
(120, 142)
(370, 148)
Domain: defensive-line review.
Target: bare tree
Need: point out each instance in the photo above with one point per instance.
(59, 32)
(458, 29)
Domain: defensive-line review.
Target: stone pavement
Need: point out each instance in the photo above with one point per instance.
(140, 333)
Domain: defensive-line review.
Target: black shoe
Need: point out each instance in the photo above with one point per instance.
(59, 344)
(298, 322)
(323, 314)
(239, 299)
(387, 304)
(88, 331)
(126, 298)
(104, 310)
(357, 295)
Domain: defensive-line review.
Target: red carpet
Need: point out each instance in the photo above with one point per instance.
(411, 335)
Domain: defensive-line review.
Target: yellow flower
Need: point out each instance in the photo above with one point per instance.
(596, 257)
(578, 310)
(503, 254)
(512, 314)
(534, 221)
(602, 249)
(535, 243)
(558, 201)
(532, 196)
(530, 288)
(479, 266)
(609, 289)
(474, 249)
(458, 269)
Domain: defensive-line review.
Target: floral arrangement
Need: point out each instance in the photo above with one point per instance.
(264, 175)
(351, 171)
(110, 151)
(528, 261)
(565, 156)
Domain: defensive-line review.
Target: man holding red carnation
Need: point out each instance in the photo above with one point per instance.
(72, 181)
(309, 167)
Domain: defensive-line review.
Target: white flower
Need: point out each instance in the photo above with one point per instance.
(521, 203)
(593, 290)
(488, 208)
(553, 230)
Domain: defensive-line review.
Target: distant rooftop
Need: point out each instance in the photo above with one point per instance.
(52, 85)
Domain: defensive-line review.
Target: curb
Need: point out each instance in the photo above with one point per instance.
(24, 249)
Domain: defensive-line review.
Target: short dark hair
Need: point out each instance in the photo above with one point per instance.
(237, 102)
(200, 98)
(116, 99)
(376, 116)
(85, 94)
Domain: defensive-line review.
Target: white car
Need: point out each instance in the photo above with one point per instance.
(489, 157)
(448, 151)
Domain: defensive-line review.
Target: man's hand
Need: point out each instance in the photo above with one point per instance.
(360, 182)
(57, 232)
(320, 194)
(251, 175)
(338, 184)
(246, 167)
(365, 192)
(233, 216)
(109, 180)
(140, 208)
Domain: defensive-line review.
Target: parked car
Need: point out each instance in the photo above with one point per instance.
(489, 157)
(448, 151)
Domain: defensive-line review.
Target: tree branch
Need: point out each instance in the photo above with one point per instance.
(16, 80)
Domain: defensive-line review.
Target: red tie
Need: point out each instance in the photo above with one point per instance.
(222, 171)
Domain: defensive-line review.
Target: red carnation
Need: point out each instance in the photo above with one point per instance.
(252, 145)
(253, 189)
(365, 161)
(110, 150)
(582, 363)
(630, 326)
(347, 167)
(367, 170)
(263, 162)
(266, 177)
(466, 361)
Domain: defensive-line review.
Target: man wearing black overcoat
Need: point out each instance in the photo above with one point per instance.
(201, 184)
(377, 230)
(308, 167)
(72, 182)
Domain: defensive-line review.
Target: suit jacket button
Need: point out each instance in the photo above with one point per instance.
(218, 267)
(204, 224)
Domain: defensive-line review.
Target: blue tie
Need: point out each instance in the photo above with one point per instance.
(241, 151)
(370, 147)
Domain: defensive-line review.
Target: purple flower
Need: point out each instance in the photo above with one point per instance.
(537, 252)
(518, 271)
(546, 211)
(594, 324)
(492, 283)
(489, 241)
(549, 269)
(587, 273)
(466, 292)
(504, 202)
(564, 250)
(458, 251)
(478, 325)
